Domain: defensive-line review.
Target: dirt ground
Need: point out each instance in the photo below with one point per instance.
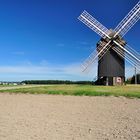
(47, 117)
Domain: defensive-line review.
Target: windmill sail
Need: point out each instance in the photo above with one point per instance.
(96, 55)
(93, 24)
(131, 56)
(128, 22)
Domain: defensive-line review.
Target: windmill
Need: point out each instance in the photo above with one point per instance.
(112, 50)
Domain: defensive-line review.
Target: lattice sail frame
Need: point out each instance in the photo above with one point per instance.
(93, 24)
(128, 22)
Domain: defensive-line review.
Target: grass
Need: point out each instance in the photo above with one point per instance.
(81, 90)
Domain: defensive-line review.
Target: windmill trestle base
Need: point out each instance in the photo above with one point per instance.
(111, 81)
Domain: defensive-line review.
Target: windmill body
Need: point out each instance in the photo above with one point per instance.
(112, 50)
(111, 67)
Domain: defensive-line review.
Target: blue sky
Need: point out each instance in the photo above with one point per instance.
(43, 39)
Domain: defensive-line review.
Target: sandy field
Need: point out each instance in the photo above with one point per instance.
(47, 117)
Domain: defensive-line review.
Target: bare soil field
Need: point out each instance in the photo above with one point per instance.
(53, 117)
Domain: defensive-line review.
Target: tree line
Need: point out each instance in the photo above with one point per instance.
(132, 79)
(56, 82)
(128, 81)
